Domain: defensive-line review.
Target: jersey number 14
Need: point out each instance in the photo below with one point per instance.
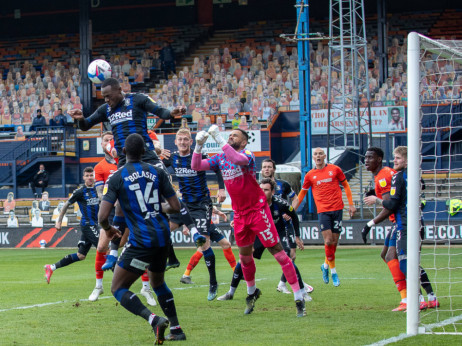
(151, 196)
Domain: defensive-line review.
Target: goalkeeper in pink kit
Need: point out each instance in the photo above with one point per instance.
(252, 215)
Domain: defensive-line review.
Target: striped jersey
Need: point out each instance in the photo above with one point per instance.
(193, 184)
(139, 187)
(88, 201)
(284, 189)
(130, 116)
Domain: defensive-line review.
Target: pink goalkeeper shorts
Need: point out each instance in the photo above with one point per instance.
(255, 223)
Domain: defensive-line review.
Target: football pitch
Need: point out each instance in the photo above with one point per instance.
(356, 313)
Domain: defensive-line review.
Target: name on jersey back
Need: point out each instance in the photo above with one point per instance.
(136, 175)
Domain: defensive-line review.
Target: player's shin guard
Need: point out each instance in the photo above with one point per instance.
(229, 255)
(209, 258)
(195, 258)
(132, 303)
(425, 281)
(167, 303)
(99, 261)
(65, 261)
(398, 277)
(248, 269)
(237, 275)
(288, 270)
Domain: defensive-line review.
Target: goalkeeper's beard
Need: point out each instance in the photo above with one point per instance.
(235, 146)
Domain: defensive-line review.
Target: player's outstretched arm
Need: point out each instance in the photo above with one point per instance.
(197, 163)
(231, 154)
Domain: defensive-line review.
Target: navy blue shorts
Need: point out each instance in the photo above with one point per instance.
(89, 237)
(331, 220)
(137, 260)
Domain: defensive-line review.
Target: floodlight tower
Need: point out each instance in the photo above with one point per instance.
(348, 81)
(349, 114)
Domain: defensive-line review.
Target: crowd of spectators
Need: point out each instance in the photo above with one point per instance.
(256, 83)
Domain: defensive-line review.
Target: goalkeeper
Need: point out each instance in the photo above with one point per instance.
(252, 215)
(397, 205)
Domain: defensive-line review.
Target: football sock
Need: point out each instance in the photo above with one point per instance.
(299, 277)
(288, 269)
(167, 303)
(431, 297)
(195, 258)
(398, 276)
(114, 253)
(99, 261)
(333, 270)
(248, 269)
(425, 281)
(132, 303)
(237, 276)
(229, 255)
(99, 283)
(403, 294)
(65, 261)
(145, 280)
(209, 258)
(326, 264)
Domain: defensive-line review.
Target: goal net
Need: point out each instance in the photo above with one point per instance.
(435, 154)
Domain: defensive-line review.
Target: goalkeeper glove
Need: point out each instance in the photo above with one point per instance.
(201, 138)
(366, 230)
(214, 131)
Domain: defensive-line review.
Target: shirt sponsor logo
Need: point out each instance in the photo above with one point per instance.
(328, 180)
(229, 174)
(93, 201)
(185, 172)
(120, 117)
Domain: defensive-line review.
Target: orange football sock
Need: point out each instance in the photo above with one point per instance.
(195, 258)
(100, 259)
(398, 277)
(229, 255)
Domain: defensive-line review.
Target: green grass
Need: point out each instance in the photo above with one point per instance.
(356, 313)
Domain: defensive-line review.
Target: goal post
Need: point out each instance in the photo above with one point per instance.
(434, 143)
(413, 183)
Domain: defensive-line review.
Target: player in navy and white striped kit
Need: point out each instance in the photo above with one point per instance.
(140, 188)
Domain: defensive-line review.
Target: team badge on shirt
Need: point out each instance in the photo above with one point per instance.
(383, 182)
(331, 173)
(392, 191)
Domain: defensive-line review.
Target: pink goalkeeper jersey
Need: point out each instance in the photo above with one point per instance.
(243, 188)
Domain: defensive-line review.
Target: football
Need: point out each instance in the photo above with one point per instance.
(42, 243)
(99, 70)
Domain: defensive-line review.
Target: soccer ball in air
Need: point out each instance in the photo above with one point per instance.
(42, 243)
(99, 70)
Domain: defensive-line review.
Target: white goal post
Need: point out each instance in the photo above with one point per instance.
(434, 135)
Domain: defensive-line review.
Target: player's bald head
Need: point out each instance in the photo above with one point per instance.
(319, 151)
